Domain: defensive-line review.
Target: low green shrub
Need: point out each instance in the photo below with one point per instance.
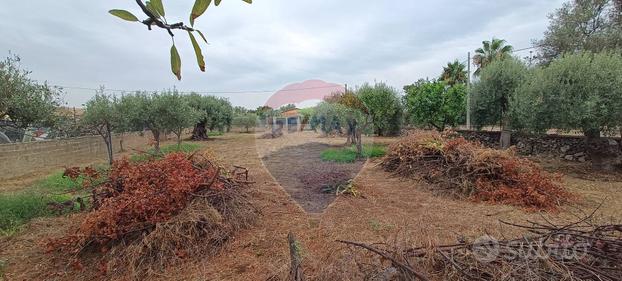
(150, 154)
(348, 154)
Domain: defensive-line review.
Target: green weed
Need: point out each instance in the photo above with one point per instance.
(348, 154)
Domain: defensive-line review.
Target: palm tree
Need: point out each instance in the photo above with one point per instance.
(454, 73)
(492, 50)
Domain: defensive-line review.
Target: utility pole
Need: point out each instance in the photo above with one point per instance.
(468, 103)
(346, 88)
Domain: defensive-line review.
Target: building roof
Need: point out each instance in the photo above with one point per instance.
(290, 113)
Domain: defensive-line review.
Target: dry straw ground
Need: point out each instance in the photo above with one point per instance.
(390, 207)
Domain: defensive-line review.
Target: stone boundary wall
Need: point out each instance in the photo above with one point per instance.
(22, 159)
(571, 148)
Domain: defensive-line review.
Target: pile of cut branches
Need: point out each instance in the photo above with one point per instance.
(468, 169)
(148, 215)
(577, 251)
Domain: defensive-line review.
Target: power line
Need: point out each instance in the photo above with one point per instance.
(242, 91)
(204, 92)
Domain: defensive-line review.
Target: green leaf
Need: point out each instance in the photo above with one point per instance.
(123, 14)
(151, 9)
(197, 51)
(201, 34)
(217, 2)
(198, 9)
(157, 5)
(248, 1)
(175, 62)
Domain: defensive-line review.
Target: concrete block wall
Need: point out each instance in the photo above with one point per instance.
(22, 159)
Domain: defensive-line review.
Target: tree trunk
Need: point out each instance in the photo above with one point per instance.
(359, 142)
(179, 140)
(603, 156)
(351, 135)
(108, 141)
(199, 132)
(121, 149)
(156, 138)
(505, 140)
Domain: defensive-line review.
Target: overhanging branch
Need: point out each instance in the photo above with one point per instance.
(155, 20)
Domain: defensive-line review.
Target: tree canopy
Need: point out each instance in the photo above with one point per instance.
(582, 25)
(24, 101)
(214, 113)
(454, 73)
(100, 115)
(493, 50)
(384, 106)
(435, 104)
(577, 91)
(245, 120)
(490, 95)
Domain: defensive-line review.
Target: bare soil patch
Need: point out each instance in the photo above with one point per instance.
(307, 178)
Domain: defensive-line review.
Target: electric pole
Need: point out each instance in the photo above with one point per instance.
(468, 103)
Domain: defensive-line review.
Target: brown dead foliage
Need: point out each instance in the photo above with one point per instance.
(582, 250)
(148, 216)
(468, 169)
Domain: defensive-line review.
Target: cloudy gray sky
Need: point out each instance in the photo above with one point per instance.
(262, 46)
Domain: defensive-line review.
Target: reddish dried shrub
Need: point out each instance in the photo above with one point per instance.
(468, 169)
(72, 172)
(147, 215)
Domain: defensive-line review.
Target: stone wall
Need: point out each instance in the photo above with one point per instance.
(571, 148)
(22, 159)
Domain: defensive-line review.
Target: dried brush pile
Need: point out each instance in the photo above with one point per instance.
(149, 215)
(574, 252)
(468, 169)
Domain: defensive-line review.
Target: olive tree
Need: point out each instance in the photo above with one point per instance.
(156, 17)
(352, 101)
(149, 114)
(24, 101)
(176, 113)
(222, 117)
(125, 107)
(490, 95)
(384, 107)
(581, 91)
(332, 117)
(245, 120)
(435, 104)
(214, 113)
(100, 115)
(326, 118)
(582, 25)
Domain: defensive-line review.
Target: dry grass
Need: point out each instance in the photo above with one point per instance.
(390, 207)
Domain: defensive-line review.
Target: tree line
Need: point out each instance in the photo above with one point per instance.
(160, 113)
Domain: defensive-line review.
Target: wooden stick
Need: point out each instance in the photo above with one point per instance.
(295, 272)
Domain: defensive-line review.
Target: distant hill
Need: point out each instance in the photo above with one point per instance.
(303, 93)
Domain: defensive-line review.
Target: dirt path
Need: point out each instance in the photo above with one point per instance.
(309, 180)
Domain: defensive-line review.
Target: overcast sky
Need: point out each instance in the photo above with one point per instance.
(263, 46)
